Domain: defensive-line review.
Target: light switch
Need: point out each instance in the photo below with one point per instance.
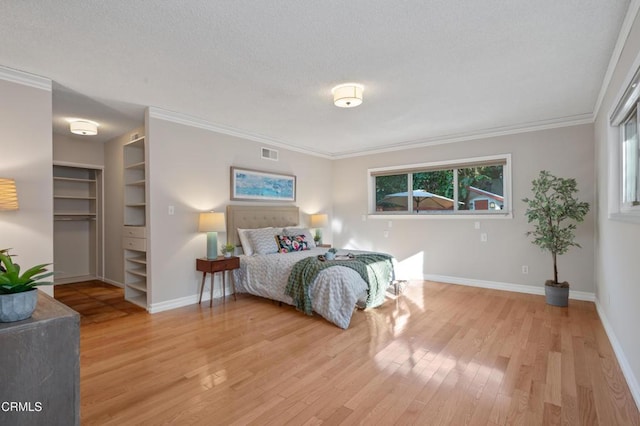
(483, 237)
(172, 210)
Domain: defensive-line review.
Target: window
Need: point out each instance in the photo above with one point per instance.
(626, 116)
(630, 156)
(470, 186)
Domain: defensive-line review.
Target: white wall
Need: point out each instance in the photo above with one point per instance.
(26, 156)
(618, 282)
(189, 168)
(451, 247)
(77, 149)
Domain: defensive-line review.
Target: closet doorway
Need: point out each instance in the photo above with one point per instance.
(78, 230)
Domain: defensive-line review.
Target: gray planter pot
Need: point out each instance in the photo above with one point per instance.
(557, 296)
(18, 306)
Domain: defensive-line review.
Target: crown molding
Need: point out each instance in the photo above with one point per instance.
(179, 118)
(625, 30)
(187, 120)
(482, 134)
(25, 78)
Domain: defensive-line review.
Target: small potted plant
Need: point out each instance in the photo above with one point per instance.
(18, 293)
(227, 249)
(555, 210)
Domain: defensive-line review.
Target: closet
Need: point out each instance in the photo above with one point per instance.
(77, 225)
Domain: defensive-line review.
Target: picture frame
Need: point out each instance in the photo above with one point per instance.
(256, 185)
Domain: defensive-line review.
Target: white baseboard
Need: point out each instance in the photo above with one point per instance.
(177, 303)
(518, 288)
(112, 282)
(627, 371)
(78, 279)
(173, 304)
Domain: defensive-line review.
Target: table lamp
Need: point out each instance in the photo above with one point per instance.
(212, 223)
(8, 194)
(319, 221)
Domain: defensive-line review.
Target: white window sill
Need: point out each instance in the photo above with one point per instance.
(471, 216)
(629, 217)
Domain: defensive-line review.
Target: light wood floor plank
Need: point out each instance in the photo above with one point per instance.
(436, 354)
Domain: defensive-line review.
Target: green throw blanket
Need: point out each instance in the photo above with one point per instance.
(376, 270)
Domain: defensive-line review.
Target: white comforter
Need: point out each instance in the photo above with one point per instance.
(334, 292)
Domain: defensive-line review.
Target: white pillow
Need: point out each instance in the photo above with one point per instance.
(292, 232)
(245, 241)
(263, 241)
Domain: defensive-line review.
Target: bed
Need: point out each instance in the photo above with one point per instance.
(333, 293)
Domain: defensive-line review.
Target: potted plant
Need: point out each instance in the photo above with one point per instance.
(555, 211)
(18, 293)
(227, 249)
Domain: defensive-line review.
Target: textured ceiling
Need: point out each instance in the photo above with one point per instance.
(431, 69)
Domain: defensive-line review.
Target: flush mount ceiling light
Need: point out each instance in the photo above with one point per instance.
(82, 127)
(347, 95)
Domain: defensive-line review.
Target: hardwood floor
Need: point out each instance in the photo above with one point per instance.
(95, 301)
(437, 354)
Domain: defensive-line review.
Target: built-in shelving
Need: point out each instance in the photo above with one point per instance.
(135, 214)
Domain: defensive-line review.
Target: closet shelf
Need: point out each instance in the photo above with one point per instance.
(68, 179)
(135, 166)
(136, 183)
(73, 197)
(141, 272)
(57, 214)
(142, 260)
(138, 285)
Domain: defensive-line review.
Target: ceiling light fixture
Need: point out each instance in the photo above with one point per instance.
(82, 127)
(347, 95)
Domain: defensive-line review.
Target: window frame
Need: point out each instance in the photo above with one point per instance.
(629, 206)
(506, 213)
(625, 109)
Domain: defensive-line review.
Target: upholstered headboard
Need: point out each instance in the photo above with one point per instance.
(251, 217)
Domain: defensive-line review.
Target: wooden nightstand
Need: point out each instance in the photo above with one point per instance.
(220, 264)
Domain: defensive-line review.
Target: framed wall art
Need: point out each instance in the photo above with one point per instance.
(254, 185)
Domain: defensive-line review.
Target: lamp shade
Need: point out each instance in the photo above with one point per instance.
(211, 222)
(347, 95)
(319, 220)
(8, 194)
(86, 128)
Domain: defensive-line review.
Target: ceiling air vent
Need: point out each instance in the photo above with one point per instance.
(269, 154)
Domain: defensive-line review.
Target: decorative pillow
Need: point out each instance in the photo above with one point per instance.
(245, 241)
(291, 232)
(288, 244)
(263, 240)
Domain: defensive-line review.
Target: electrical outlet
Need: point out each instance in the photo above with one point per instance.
(390, 224)
(172, 210)
(483, 237)
(525, 269)
(386, 234)
(476, 225)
